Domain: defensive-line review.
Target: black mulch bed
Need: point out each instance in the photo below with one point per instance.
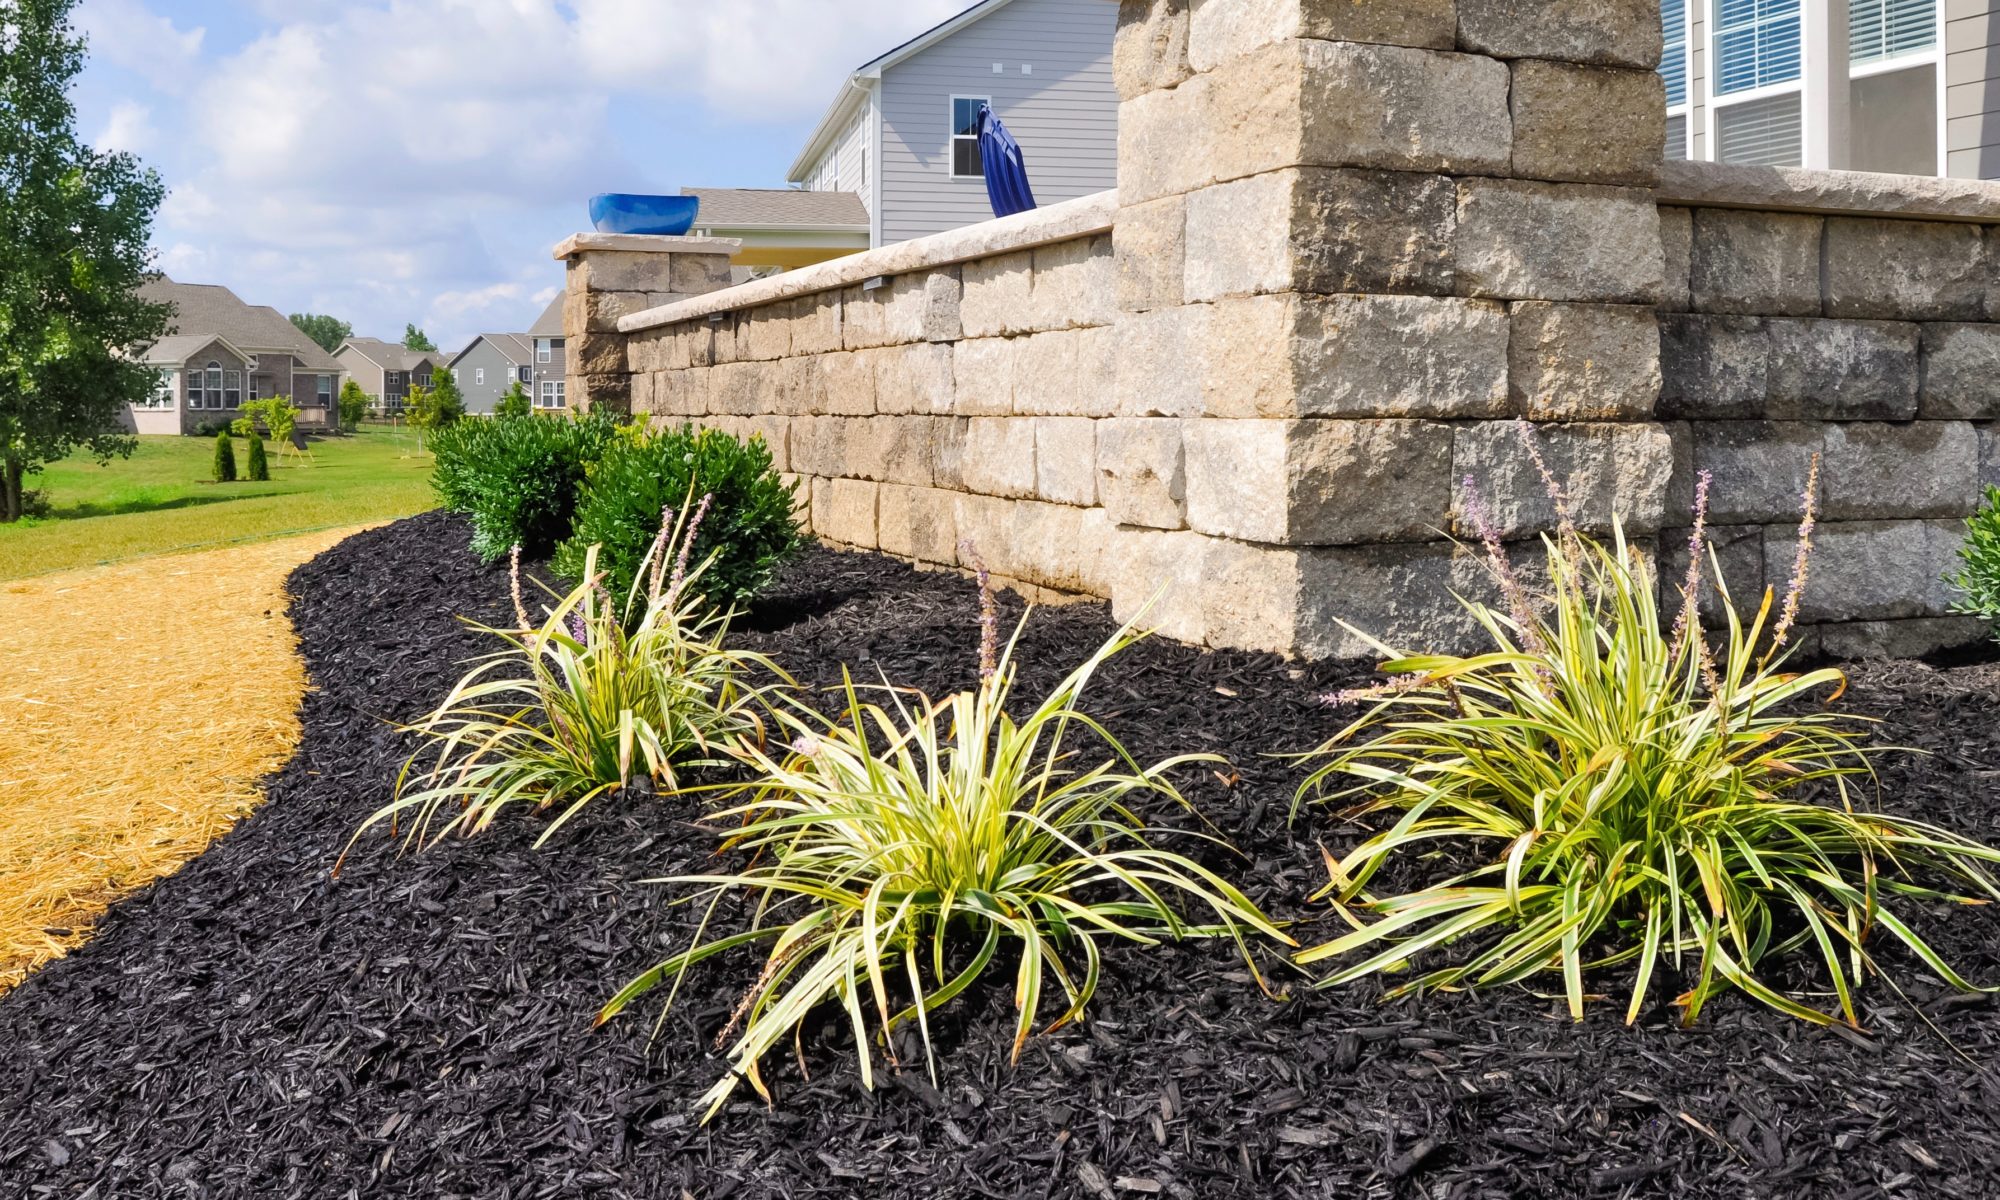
(421, 1026)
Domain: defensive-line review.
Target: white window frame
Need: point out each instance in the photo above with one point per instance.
(479, 376)
(543, 351)
(954, 137)
(1934, 55)
(551, 395)
(324, 389)
(162, 395)
(1717, 101)
(1685, 109)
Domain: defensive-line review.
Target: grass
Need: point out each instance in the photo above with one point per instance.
(160, 500)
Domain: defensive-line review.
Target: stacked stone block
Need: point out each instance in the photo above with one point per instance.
(607, 277)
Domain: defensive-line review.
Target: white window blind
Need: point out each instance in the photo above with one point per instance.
(1677, 137)
(1674, 58)
(1885, 28)
(1764, 132)
(1756, 44)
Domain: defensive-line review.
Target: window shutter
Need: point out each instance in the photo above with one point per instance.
(1764, 132)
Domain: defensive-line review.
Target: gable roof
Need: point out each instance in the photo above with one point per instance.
(211, 309)
(513, 347)
(389, 356)
(778, 208)
(550, 323)
(856, 88)
(176, 348)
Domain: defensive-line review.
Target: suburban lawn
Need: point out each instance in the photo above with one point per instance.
(161, 500)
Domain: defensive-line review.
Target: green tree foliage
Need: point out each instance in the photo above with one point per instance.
(518, 479)
(258, 466)
(1977, 579)
(515, 403)
(74, 228)
(429, 409)
(353, 405)
(224, 469)
(414, 339)
(329, 332)
(277, 414)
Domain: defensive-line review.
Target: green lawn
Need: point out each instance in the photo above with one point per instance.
(161, 500)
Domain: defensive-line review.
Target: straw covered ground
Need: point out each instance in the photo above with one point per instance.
(140, 705)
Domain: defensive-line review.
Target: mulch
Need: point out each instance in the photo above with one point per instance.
(421, 1026)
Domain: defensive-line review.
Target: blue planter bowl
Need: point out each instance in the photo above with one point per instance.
(620, 212)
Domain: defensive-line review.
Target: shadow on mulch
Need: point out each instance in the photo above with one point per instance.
(421, 1026)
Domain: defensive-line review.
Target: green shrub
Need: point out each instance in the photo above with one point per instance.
(224, 468)
(259, 468)
(515, 403)
(1978, 576)
(576, 707)
(353, 405)
(518, 480)
(908, 843)
(1629, 795)
(753, 530)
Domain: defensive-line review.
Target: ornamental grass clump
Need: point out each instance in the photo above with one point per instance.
(585, 703)
(1629, 795)
(899, 852)
(1978, 576)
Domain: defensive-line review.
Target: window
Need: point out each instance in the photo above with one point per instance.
(196, 396)
(1674, 70)
(162, 395)
(255, 387)
(542, 353)
(213, 386)
(479, 376)
(232, 389)
(552, 394)
(1756, 44)
(527, 374)
(965, 136)
(325, 391)
(1878, 29)
(1894, 94)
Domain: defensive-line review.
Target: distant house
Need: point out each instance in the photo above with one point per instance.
(491, 364)
(386, 370)
(782, 227)
(545, 337)
(220, 352)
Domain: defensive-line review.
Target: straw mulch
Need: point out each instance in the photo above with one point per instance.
(140, 705)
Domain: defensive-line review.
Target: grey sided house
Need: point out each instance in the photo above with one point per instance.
(545, 338)
(489, 365)
(219, 352)
(386, 370)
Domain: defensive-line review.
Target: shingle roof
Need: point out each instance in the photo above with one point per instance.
(210, 310)
(550, 323)
(735, 208)
(174, 349)
(392, 357)
(513, 347)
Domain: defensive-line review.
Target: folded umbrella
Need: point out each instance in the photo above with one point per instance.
(1005, 169)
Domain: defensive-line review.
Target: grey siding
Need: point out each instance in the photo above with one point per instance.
(1972, 89)
(556, 370)
(481, 397)
(1064, 114)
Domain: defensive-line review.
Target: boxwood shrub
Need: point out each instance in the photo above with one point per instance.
(519, 480)
(751, 526)
(1978, 576)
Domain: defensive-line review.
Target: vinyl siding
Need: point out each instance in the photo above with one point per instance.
(482, 398)
(1972, 89)
(1065, 114)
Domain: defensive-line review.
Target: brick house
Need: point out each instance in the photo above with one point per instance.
(220, 352)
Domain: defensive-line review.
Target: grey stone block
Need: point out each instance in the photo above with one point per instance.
(1321, 230)
(1759, 467)
(1405, 596)
(1868, 570)
(1740, 551)
(1761, 263)
(1842, 370)
(1604, 470)
(1586, 124)
(1223, 29)
(1520, 240)
(1623, 33)
(1904, 270)
(1713, 366)
(1318, 482)
(1141, 471)
(1677, 244)
(1961, 372)
(1573, 362)
(1921, 469)
(1914, 638)
(1989, 456)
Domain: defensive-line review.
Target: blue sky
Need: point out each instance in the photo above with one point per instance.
(389, 161)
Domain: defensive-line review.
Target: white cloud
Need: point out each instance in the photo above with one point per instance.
(127, 34)
(130, 128)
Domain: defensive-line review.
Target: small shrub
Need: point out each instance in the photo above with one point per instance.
(515, 403)
(224, 468)
(1978, 576)
(576, 708)
(259, 467)
(754, 531)
(518, 480)
(353, 405)
(1630, 795)
(882, 834)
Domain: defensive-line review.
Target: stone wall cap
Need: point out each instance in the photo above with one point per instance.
(1067, 221)
(644, 243)
(1835, 193)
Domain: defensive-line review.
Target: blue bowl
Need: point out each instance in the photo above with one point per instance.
(620, 212)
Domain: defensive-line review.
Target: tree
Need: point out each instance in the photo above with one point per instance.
(224, 468)
(434, 407)
(258, 467)
(329, 332)
(353, 405)
(74, 228)
(414, 339)
(515, 403)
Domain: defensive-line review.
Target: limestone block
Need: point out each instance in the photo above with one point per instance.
(700, 339)
(1904, 270)
(776, 433)
(1062, 547)
(627, 271)
(1677, 243)
(1740, 551)
(1159, 579)
(597, 354)
(1066, 373)
(819, 445)
(1250, 597)
(1713, 366)
(996, 294)
(1150, 254)
(1920, 469)
(767, 331)
(1223, 29)
(847, 381)
(696, 274)
(737, 388)
(1571, 362)
(1318, 482)
(642, 393)
(600, 393)
(1913, 638)
(1587, 124)
(1759, 468)
(1320, 230)
(1623, 33)
(983, 376)
(918, 523)
(985, 527)
(1868, 570)
(1141, 471)
(948, 452)
(680, 393)
(843, 511)
(1164, 143)
(1760, 263)
(888, 449)
(1162, 359)
(999, 457)
(1540, 241)
(916, 377)
(1402, 595)
(1843, 370)
(1150, 49)
(648, 351)
(1604, 469)
(599, 312)
(1073, 284)
(943, 296)
(816, 324)
(1066, 460)
(796, 386)
(1961, 372)
(723, 337)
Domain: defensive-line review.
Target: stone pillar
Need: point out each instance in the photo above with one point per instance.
(1389, 222)
(611, 275)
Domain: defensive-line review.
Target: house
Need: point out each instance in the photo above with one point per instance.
(545, 336)
(386, 370)
(1909, 87)
(489, 365)
(782, 228)
(220, 352)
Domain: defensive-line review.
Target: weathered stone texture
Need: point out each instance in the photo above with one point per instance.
(1066, 460)
(1150, 49)
(1150, 250)
(1739, 549)
(914, 378)
(1164, 142)
(843, 510)
(1141, 471)
(1677, 244)
(1842, 370)
(1904, 270)
(983, 376)
(918, 523)
(1759, 467)
(996, 294)
(1519, 240)
(1321, 230)
(1319, 482)
(847, 382)
(1920, 469)
(1961, 372)
(1222, 29)
(1713, 366)
(1586, 124)
(1574, 362)
(1073, 285)
(1390, 592)
(1158, 578)
(1161, 358)
(1755, 263)
(1066, 373)
(1616, 469)
(1989, 456)
(1913, 638)
(1868, 570)
(999, 457)
(1624, 33)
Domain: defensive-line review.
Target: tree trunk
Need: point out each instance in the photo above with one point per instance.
(10, 490)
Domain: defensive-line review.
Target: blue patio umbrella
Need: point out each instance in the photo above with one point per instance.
(1006, 170)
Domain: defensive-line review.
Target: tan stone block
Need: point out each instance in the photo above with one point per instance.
(697, 274)
(1318, 482)
(948, 452)
(1160, 361)
(888, 449)
(1164, 144)
(997, 294)
(599, 312)
(1160, 582)
(1066, 460)
(983, 376)
(1150, 49)
(819, 445)
(776, 434)
(794, 386)
(1223, 29)
(843, 511)
(1619, 33)
(985, 527)
(1073, 284)
(918, 523)
(1587, 124)
(1519, 240)
(847, 381)
(1150, 254)
(622, 271)
(1604, 469)
(1141, 471)
(1574, 362)
(1250, 596)
(914, 378)
(1061, 547)
(999, 456)
(681, 393)
(642, 393)
(597, 354)
(1321, 230)
(767, 331)
(600, 393)
(816, 324)
(1066, 373)
(864, 317)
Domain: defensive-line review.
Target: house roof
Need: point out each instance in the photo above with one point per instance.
(513, 347)
(177, 348)
(210, 310)
(550, 323)
(855, 89)
(389, 356)
(778, 208)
